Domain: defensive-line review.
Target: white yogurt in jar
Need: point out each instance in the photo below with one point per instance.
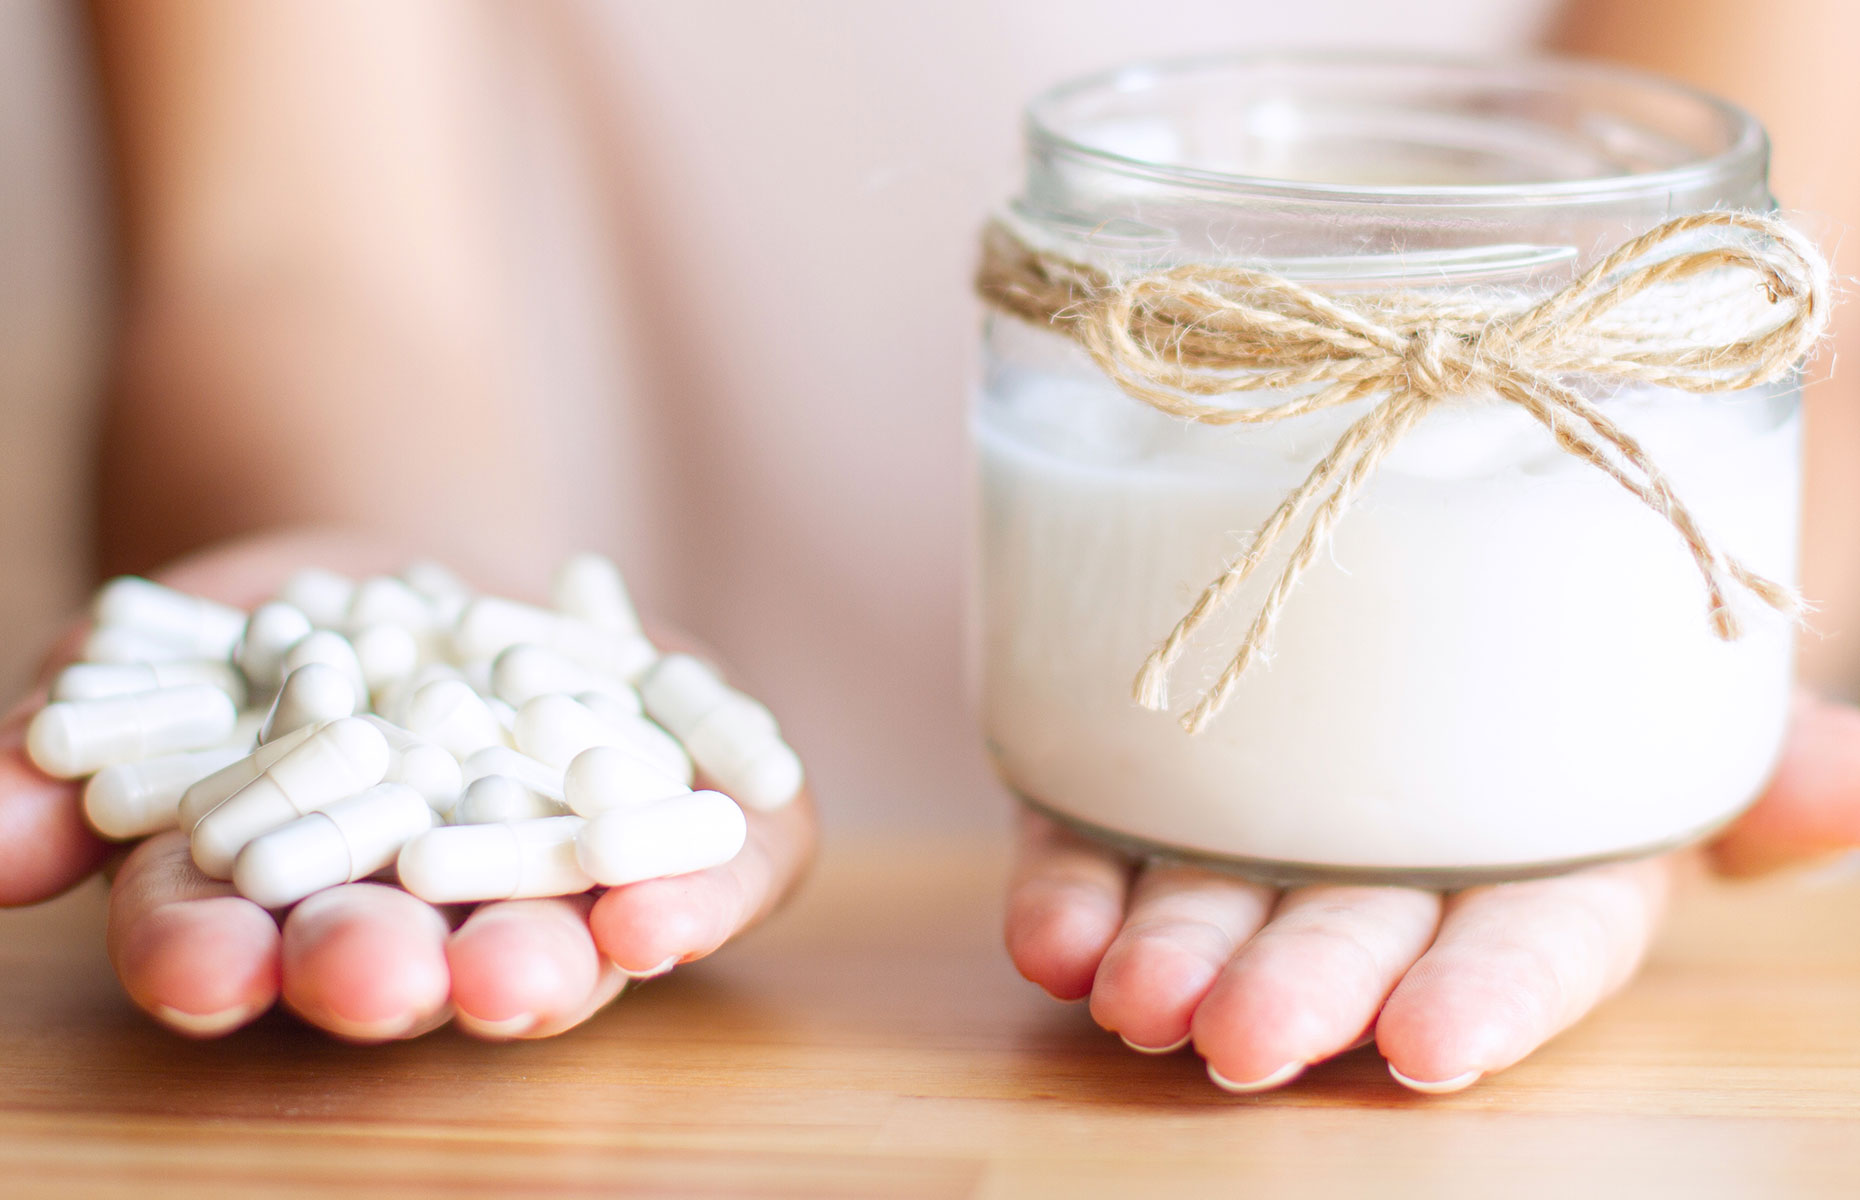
(1503, 661)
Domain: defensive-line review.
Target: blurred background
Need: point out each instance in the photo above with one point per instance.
(683, 281)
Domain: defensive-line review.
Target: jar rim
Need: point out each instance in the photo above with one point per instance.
(1745, 144)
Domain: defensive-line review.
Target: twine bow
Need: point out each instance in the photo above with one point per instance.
(1653, 312)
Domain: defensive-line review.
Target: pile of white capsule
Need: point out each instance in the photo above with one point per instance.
(483, 748)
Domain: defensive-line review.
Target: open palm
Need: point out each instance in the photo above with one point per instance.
(366, 961)
(1451, 988)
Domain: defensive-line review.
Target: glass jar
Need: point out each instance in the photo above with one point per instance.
(1500, 666)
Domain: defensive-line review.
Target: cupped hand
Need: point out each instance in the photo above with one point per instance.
(366, 961)
(1451, 988)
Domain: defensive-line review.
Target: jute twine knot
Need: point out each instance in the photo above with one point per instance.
(1739, 305)
(1437, 362)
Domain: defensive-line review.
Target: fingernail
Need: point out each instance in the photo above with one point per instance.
(205, 1025)
(1436, 1087)
(509, 1027)
(1284, 1074)
(366, 1031)
(651, 972)
(1171, 1048)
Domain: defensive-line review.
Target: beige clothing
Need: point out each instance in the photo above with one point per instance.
(746, 231)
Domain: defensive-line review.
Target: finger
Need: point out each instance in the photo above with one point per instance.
(1812, 805)
(1515, 964)
(1183, 924)
(528, 968)
(200, 958)
(1311, 982)
(45, 847)
(1065, 906)
(645, 928)
(366, 962)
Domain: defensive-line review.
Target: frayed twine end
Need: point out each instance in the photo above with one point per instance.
(1151, 689)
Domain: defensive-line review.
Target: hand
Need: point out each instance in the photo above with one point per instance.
(1451, 988)
(366, 961)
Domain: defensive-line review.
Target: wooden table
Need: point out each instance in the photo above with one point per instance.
(875, 1042)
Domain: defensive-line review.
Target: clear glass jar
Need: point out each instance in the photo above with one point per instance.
(1501, 667)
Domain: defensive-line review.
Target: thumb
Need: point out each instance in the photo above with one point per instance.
(45, 847)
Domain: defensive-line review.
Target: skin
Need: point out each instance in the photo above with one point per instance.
(1790, 63)
(306, 219)
(314, 335)
(367, 962)
(1453, 988)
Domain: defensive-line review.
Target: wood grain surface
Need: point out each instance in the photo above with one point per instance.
(875, 1042)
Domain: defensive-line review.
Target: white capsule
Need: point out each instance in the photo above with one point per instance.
(607, 777)
(90, 680)
(80, 737)
(337, 761)
(491, 799)
(525, 671)
(645, 737)
(312, 694)
(329, 647)
(506, 718)
(394, 698)
(732, 738)
(444, 591)
(132, 800)
(212, 790)
(387, 654)
(246, 728)
(673, 836)
(422, 765)
(449, 713)
(269, 633)
(617, 711)
(512, 861)
(681, 691)
(490, 625)
(589, 587)
(119, 644)
(319, 594)
(502, 760)
(385, 600)
(555, 728)
(477, 672)
(735, 747)
(348, 840)
(207, 628)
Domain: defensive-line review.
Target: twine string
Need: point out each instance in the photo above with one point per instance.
(1654, 311)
